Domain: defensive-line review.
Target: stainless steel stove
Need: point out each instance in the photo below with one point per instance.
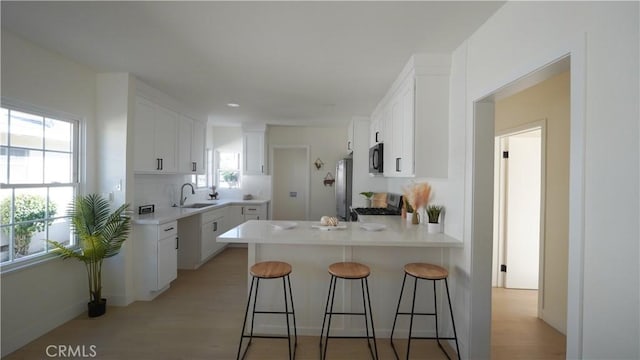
(394, 204)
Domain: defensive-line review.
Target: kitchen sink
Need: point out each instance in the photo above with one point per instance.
(198, 205)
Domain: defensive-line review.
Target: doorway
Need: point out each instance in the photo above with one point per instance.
(486, 116)
(518, 188)
(290, 182)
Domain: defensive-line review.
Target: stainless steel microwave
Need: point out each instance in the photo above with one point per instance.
(376, 159)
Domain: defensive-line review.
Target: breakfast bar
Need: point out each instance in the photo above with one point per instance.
(385, 245)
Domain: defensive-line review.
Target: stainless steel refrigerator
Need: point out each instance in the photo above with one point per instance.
(344, 170)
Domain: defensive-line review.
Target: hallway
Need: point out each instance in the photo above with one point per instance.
(516, 332)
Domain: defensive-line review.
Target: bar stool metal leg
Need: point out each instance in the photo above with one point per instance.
(373, 329)
(364, 310)
(333, 295)
(286, 314)
(293, 311)
(413, 306)
(244, 323)
(393, 328)
(453, 323)
(326, 307)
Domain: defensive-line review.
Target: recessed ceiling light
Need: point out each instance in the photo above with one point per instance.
(233, 105)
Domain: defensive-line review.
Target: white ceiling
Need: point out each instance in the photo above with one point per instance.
(305, 63)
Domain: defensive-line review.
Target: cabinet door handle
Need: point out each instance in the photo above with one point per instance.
(348, 145)
(161, 163)
(377, 132)
(177, 243)
(398, 164)
(252, 209)
(262, 169)
(169, 229)
(242, 211)
(193, 166)
(215, 226)
(158, 164)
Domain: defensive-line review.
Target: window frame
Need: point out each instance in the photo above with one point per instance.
(77, 176)
(216, 170)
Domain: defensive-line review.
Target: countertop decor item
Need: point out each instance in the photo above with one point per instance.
(416, 196)
(329, 180)
(368, 195)
(433, 212)
(100, 234)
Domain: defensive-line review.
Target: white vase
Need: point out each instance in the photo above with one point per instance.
(409, 217)
(434, 228)
(367, 203)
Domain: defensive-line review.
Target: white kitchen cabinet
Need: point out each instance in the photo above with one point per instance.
(376, 129)
(191, 152)
(402, 130)
(253, 144)
(350, 136)
(156, 251)
(198, 234)
(156, 138)
(254, 212)
(235, 215)
(414, 119)
(212, 226)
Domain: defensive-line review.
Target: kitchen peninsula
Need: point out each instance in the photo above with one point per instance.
(310, 251)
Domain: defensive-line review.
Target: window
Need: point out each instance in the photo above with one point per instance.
(228, 170)
(38, 180)
(206, 180)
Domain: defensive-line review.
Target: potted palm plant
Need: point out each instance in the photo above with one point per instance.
(100, 233)
(433, 212)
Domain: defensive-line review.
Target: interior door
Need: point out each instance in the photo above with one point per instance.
(290, 170)
(522, 217)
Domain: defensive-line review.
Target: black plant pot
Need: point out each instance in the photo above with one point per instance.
(97, 308)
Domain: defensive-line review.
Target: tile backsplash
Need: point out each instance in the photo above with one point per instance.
(164, 190)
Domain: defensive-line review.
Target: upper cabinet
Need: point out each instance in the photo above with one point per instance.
(413, 120)
(167, 142)
(350, 137)
(254, 151)
(156, 144)
(191, 139)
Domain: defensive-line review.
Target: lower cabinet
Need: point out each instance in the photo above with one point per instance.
(156, 253)
(199, 234)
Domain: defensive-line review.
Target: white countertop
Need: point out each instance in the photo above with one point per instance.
(396, 233)
(174, 213)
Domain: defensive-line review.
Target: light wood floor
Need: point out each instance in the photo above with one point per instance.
(200, 317)
(517, 333)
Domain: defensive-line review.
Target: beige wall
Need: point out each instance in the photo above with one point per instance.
(328, 144)
(548, 100)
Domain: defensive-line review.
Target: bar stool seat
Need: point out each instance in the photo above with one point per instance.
(270, 270)
(426, 271)
(433, 273)
(349, 271)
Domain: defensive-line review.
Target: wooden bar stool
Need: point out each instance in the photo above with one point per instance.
(270, 270)
(349, 271)
(434, 273)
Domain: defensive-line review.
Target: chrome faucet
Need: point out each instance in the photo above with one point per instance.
(182, 197)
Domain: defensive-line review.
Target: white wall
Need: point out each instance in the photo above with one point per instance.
(328, 144)
(37, 299)
(603, 318)
(114, 123)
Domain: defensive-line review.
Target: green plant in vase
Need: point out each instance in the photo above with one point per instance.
(368, 195)
(433, 213)
(100, 233)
